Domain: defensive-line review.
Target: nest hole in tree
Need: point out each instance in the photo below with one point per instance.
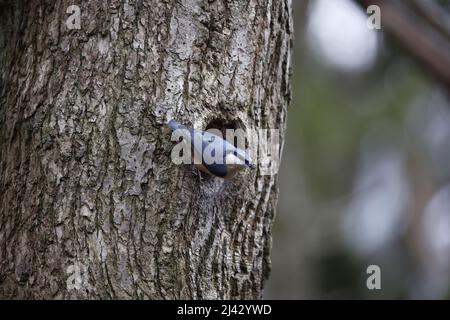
(222, 125)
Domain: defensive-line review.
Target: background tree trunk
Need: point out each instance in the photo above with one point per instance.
(91, 205)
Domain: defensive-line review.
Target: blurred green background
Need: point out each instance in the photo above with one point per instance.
(365, 174)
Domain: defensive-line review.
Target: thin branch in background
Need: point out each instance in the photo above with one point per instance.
(422, 29)
(435, 15)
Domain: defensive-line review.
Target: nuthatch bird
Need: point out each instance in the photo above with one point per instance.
(230, 159)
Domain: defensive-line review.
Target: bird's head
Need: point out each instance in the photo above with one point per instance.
(238, 159)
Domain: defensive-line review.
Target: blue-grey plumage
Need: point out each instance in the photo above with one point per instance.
(231, 159)
(175, 125)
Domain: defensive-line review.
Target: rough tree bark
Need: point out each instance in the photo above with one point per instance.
(87, 188)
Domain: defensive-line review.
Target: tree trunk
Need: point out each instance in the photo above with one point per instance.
(91, 205)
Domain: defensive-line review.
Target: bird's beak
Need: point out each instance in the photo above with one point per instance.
(251, 166)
